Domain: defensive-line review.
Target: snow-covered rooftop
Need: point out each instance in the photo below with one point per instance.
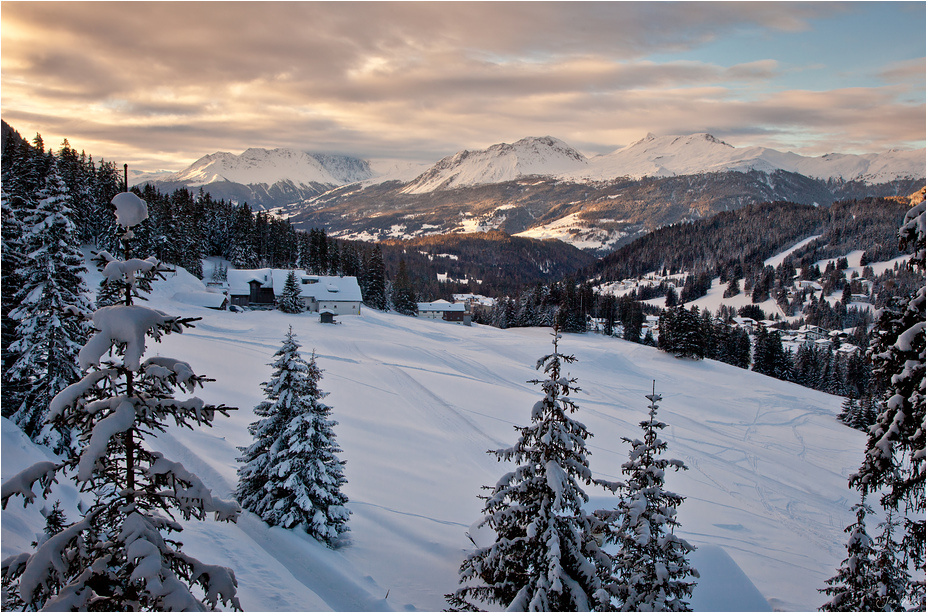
(320, 287)
(442, 306)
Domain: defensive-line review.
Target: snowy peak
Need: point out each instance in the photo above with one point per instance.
(270, 166)
(666, 156)
(499, 163)
(653, 142)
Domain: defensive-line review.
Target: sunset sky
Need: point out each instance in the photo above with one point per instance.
(158, 85)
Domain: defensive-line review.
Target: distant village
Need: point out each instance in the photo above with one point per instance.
(333, 296)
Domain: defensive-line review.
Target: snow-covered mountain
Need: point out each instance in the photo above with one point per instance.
(269, 166)
(499, 163)
(265, 178)
(541, 186)
(664, 156)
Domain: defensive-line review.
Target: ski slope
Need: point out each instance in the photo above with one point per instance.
(419, 403)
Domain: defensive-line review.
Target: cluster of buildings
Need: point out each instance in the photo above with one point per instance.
(327, 295)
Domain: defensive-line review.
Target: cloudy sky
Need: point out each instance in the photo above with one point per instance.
(158, 85)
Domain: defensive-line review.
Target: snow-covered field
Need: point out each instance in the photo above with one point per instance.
(420, 402)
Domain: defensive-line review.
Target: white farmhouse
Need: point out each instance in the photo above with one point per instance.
(339, 295)
(442, 309)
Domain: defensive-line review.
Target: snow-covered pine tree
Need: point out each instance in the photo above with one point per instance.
(11, 259)
(292, 475)
(688, 337)
(119, 554)
(867, 413)
(894, 463)
(545, 557)
(849, 413)
(290, 299)
(55, 520)
(851, 588)
(650, 570)
(870, 578)
(47, 342)
(892, 580)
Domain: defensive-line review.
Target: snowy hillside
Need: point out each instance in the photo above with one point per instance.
(662, 156)
(499, 163)
(270, 166)
(419, 404)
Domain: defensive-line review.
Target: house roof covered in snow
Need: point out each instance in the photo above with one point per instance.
(442, 306)
(320, 287)
(239, 280)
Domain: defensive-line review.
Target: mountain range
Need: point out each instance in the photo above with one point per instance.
(541, 187)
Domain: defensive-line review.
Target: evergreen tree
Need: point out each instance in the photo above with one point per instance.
(895, 451)
(769, 357)
(119, 556)
(733, 288)
(73, 170)
(894, 587)
(870, 578)
(11, 259)
(634, 324)
(681, 333)
(334, 259)
(650, 570)
(291, 474)
(241, 252)
(544, 557)
(48, 334)
(290, 297)
(55, 520)
(105, 183)
(373, 280)
(19, 189)
(403, 294)
(667, 325)
(734, 346)
(607, 313)
(867, 415)
(852, 587)
(849, 412)
(570, 316)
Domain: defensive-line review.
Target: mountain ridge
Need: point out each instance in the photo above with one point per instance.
(651, 156)
(542, 187)
(660, 156)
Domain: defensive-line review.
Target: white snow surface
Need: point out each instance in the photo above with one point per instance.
(663, 156)
(420, 402)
